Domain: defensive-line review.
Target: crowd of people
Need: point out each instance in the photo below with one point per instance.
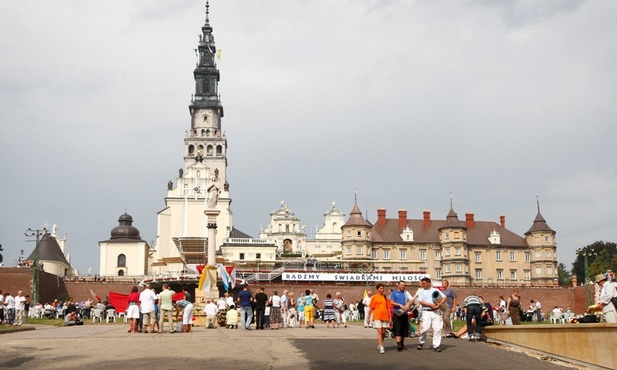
(393, 313)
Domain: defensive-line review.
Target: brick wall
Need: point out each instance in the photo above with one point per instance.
(14, 279)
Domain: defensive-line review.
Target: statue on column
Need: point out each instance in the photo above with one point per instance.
(213, 196)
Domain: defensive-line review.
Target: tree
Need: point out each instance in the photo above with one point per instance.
(601, 256)
(563, 275)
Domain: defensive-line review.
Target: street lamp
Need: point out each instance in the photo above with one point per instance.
(35, 278)
(586, 255)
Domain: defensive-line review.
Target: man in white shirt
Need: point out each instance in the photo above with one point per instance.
(146, 301)
(221, 305)
(366, 301)
(229, 299)
(20, 308)
(431, 300)
(210, 311)
(608, 292)
(9, 303)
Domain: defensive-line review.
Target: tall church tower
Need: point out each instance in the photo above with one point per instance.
(181, 231)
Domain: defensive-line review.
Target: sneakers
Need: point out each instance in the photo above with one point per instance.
(381, 349)
(419, 347)
(437, 349)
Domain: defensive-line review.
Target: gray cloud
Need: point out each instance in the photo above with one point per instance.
(405, 101)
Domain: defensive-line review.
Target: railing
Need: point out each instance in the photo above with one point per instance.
(246, 241)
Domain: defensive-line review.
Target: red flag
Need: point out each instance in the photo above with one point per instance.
(95, 296)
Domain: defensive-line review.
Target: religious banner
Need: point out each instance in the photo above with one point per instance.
(353, 277)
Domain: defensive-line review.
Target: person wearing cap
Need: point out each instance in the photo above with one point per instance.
(606, 295)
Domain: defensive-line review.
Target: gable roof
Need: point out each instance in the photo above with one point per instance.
(478, 235)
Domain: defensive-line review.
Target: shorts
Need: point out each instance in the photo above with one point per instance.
(148, 318)
(379, 324)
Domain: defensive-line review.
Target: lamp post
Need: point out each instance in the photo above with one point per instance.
(586, 255)
(35, 278)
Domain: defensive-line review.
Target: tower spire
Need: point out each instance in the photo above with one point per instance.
(207, 11)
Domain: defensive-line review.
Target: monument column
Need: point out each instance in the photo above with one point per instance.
(211, 292)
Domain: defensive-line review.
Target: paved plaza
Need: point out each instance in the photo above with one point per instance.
(109, 346)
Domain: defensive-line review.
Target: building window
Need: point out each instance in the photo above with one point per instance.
(527, 275)
(447, 252)
(538, 254)
(120, 272)
(359, 233)
(447, 235)
(527, 257)
(348, 233)
(448, 269)
(386, 255)
(512, 256)
(121, 260)
(437, 255)
(478, 257)
(499, 274)
(403, 255)
(348, 251)
(538, 270)
(258, 256)
(457, 251)
(438, 273)
(547, 254)
(498, 256)
(512, 274)
(422, 255)
(241, 256)
(547, 239)
(549, 270)
(360, 250)
(479, 274)
(374, 255)
(458, 268)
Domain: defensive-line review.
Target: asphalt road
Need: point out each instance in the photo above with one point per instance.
(109, 346)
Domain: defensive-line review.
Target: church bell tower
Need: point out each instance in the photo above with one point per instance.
(202, 181)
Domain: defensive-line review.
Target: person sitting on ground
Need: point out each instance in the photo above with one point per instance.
(71, 319)
(232, 317)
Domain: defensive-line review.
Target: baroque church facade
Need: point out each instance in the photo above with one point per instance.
(466, 252)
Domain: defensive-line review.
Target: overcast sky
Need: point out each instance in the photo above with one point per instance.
(405, 101)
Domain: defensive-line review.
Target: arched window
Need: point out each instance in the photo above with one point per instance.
(121, 260)
(219, 150)
(210, 150)
(203, 132)
(191, 149)
(121, 273)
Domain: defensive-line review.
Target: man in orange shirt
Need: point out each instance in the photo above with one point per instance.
(381, 309)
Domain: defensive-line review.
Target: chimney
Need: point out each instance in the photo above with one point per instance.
(381, 216)
(469, 221)
(402, 218)
(502, 220)
(427, 218)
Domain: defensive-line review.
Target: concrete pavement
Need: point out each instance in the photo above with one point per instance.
(109, 346)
